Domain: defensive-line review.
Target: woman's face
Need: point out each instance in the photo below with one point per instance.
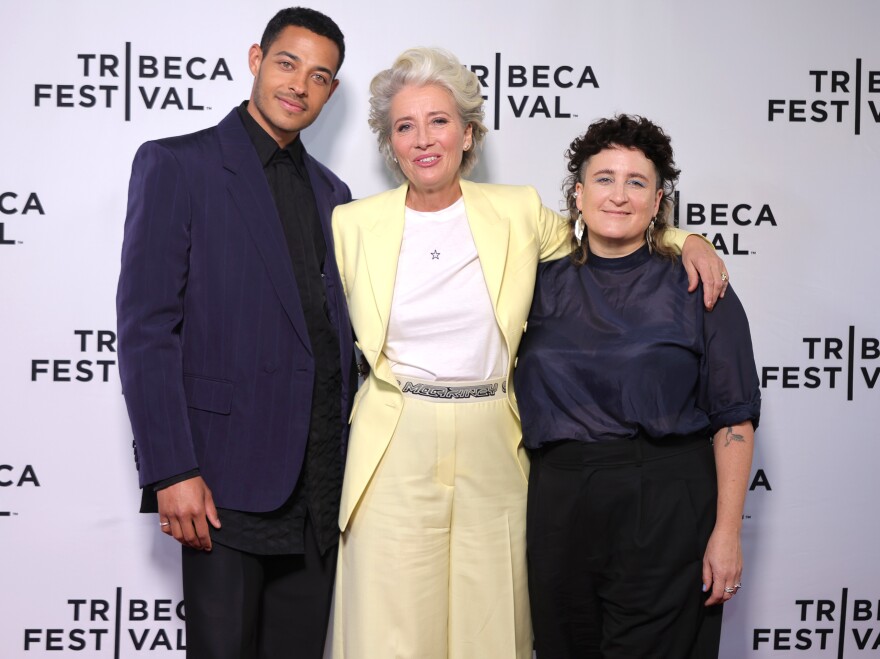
(428, 138)
(618, 197)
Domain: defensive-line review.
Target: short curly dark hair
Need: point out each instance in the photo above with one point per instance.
(310, 19)
(632, 132)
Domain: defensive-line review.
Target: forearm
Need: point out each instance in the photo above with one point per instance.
(734, 446)
(674, 238)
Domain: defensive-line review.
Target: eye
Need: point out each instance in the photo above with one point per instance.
(604, 180)
(440, 121)
(284, 64)
(320, 78)
(637, 183)
(402, 128)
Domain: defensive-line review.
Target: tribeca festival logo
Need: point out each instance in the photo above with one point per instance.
(17, 476)
(847, 362)
(724, 224)
(833, 96)
(839, 628)
(532, 91)
(113, 626)
(154, 82)
(17, 203)
(97, 352)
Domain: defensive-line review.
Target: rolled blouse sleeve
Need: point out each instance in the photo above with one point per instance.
(730, 391)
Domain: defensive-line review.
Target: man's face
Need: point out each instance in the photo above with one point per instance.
(292, 81)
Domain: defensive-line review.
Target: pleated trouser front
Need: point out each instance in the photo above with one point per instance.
(433, 562)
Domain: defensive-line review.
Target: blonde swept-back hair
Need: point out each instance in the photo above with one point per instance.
(418, 67)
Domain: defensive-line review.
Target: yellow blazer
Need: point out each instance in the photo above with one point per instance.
(512, 231)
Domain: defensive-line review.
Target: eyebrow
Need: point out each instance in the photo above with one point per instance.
(297, 58)
(431, 114)
(630, 175)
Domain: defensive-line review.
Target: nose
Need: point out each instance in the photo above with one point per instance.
(619, 193)
(297, 83)
(423, 138)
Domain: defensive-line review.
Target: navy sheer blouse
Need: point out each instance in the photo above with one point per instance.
(618, 348)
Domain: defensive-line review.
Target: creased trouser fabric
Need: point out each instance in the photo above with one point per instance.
(617, 534)
(433, 562)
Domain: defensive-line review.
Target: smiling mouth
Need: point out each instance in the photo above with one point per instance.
(292, 106)
(427, 160)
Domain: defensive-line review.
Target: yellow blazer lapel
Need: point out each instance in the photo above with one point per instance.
(381, 248)
(491, 233)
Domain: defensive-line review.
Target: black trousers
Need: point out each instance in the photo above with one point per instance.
(616, 536)
(246, 606)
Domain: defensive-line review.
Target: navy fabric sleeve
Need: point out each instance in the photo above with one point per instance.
(730, 391)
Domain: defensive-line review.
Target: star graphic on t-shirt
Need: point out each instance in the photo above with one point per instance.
(435, 255)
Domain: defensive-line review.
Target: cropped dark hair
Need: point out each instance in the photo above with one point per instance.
(629, 132)
(312, 20)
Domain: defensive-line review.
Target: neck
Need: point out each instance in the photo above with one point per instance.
(610, 249)
(282, 138)
(427, 201)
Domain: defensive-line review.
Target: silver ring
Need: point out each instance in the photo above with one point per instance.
(724, 276)
(737, 586)
(731, 590)
(164, 523)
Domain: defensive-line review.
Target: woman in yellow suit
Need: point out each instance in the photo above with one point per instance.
(439, 275)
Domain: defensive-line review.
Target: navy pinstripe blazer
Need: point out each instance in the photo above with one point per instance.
(214, 356)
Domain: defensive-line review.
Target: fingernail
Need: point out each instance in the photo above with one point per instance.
(705, 588)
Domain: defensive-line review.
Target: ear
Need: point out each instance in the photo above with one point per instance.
(579, 196)
(255, 58)
(657, 202)
(469, 134)
(333, 86)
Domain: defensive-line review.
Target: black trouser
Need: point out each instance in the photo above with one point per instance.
(245, 606)
(616, 537)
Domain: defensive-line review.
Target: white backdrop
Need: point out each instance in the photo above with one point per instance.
(773, 108)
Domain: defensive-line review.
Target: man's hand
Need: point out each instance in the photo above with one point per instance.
(185, 509)
(702, 264)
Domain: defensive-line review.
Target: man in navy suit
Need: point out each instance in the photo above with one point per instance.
(236, 355)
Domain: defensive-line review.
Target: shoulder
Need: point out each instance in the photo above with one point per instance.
(336, 183)
(369, 205)
(182, 144)
(191, 151)
(503, 193)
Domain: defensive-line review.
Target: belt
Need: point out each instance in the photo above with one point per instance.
(454, 392)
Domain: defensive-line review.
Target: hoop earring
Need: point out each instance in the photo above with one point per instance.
(649, 236)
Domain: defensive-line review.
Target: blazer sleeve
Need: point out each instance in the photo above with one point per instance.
(674, 237)
(553, 233)
(149, 308)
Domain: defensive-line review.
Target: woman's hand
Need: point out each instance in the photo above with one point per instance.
(722, 565)
(702, 264)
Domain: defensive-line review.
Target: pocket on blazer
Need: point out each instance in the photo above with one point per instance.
(208, 394)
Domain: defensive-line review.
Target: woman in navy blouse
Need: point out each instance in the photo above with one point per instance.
(639, 409)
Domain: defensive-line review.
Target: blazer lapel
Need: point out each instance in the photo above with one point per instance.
(249, 189)
(382, 239)
(491, 233)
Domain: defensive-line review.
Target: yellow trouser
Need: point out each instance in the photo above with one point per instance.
(433, 562)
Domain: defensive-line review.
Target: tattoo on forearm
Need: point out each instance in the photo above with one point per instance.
(731, 436)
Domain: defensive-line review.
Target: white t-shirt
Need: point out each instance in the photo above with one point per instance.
(442, 325)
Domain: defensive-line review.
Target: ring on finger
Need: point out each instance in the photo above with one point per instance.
(724, 276)
(163, 524)
(730, 590)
